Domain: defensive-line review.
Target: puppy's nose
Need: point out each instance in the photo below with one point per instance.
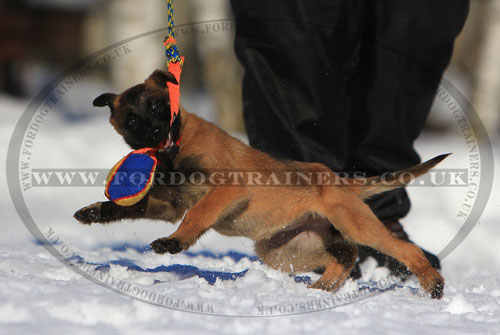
(157, 134)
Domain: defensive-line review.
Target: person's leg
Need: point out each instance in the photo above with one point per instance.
(296, 66)
(303, 92)
(345, 83)
(406, 48)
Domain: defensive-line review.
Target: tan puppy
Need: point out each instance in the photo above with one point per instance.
(290, 209)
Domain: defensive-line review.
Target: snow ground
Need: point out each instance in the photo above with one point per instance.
(38, 294)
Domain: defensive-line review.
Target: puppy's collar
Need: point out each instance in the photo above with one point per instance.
(178, 141)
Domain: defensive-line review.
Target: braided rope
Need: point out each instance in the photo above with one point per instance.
(171, 49)
(174, 63)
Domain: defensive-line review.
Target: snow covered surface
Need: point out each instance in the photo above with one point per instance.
(39, 294)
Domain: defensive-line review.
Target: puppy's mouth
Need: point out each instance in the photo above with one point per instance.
(168, 143)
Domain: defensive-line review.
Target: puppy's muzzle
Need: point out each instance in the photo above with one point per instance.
(157, 135)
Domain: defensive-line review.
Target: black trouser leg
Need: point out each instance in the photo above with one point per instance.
(347, 83)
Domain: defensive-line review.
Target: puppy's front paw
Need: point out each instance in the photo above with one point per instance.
(325, 286)
(89, 214)
(433, 283)
(165, 244)
(437, 289)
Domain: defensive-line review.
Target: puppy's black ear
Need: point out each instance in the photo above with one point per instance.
(161, 77)
(105, 99)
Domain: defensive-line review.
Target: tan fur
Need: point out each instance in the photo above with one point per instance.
(274, 207)
(290, 224)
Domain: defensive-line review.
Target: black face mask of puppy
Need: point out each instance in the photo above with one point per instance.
(141, 114)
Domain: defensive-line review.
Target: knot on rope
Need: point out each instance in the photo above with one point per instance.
(172, 51)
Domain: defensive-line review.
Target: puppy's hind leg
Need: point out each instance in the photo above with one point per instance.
(338, 269)
(357, 223)
(311, 246)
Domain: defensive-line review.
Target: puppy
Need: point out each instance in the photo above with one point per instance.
(295, 224)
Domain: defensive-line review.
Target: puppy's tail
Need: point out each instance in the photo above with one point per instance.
(368, 187)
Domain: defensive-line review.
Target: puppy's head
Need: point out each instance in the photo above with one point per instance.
(141, 114)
